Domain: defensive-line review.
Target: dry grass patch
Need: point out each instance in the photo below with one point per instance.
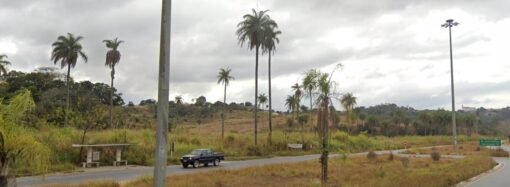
(357, 171)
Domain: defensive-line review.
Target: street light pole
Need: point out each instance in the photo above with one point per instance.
(163, 89)
(449, 24)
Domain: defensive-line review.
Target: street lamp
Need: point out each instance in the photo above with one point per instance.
(449, 24)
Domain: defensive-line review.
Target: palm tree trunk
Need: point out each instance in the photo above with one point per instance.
(68, 95)
(269, 90)
(223, 114)
(111, 97)
(310, 94)
(256, 89)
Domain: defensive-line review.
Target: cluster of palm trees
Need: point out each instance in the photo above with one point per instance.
(68, 49)
(259, 32)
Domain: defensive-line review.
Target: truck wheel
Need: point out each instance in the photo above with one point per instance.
(185, 165)
(216, 162)
(195, 164)
(206, 164)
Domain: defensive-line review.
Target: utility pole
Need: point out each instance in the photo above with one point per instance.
(449, 24)
(163, 89)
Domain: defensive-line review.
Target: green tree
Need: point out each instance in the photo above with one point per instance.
(298, 94)
(112, 58)
(269, 47)
(224, 78)
(16, 142)
(292, 104)
(3, 64)
(348, 101)
(67, 50)
(310, 84)
(252, 30)
(262, 100)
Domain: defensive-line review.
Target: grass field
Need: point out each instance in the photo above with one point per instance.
(353, 171)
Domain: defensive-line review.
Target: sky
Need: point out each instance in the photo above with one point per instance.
(392, 51)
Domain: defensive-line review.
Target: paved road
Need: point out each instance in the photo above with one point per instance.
(122, 174)
(498, 178)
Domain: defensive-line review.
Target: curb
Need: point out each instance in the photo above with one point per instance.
(475, 178)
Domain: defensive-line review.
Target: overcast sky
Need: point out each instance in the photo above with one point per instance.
(393, 51)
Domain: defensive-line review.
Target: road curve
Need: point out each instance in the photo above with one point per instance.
(497, 178)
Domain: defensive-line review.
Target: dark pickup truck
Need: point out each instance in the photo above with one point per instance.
(201, 156)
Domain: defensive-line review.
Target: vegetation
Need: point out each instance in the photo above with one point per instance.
(253, 30)
(382, 172)
(17, 146)
(3, 64)
(112, 58)
(224, 78)
(67, 50)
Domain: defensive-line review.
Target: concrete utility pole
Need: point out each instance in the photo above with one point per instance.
(449, 24)
(163, 85)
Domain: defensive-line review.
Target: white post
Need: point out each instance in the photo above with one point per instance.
(89, 156)
(118, 154)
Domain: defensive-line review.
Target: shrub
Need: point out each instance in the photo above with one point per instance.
(404, 161)
(253, 150)
(498, 153)
(371, 155)
(435, 155)
(391, 156)
(477, 148)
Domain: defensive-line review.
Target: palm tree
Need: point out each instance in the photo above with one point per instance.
(112, 58)
(178, 100)
(3, 64)
(269, 47)
(326, 113)
(262, 100)
(291, 103)
(310, 84)
(67, 50)
(348, 101)
(298, 94)
(224, 78)
(252, 30)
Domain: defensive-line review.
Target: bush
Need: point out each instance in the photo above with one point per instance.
(404, 161)
(371, 155)
(435, 156)
(253, 150)
(477, 148)
(391, 156)
(498, 153)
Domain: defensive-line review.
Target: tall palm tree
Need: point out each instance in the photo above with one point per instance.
(112, 58)
(3, 64)
(224, 78)
(348, 101)
(310, 84)
(252, 30)
(262, 100)
(66, 50)
(269, 47)
(298, 94)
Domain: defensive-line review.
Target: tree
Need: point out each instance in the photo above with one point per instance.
(262, 100)
(291, 103)
(178, 100)
(224, 78)
(253, 30)
(310, 84)
(67, 50)
(269, 47)
(348, 101)
(17, 143)
(326, 113)
(200, 101)
(112, 58)
(3, 64)
(297, 94)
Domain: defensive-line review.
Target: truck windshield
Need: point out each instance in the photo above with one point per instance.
(196, 152)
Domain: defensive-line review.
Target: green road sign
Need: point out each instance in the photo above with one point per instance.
(489, 142)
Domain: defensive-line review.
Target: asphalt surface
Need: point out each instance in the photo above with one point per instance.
(497, 178)
(123, 174)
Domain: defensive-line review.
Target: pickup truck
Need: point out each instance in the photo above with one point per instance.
(201, 156)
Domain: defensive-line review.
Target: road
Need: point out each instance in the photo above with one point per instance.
(122, 174)
(497, 178)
